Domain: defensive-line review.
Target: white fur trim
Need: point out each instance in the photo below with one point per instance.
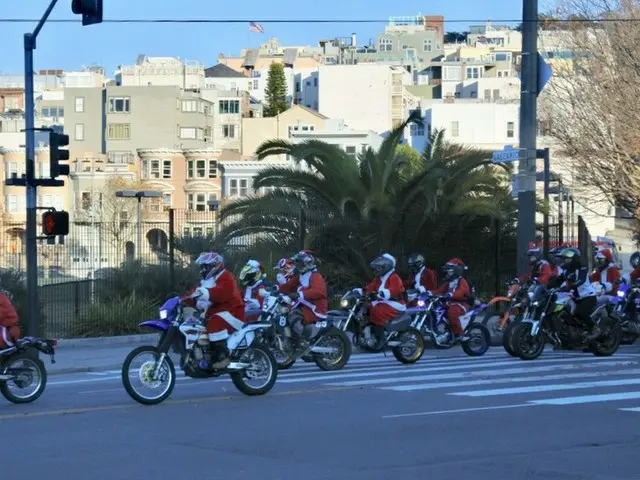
(386, 293)
(202, 293)
(231, 320)
(300, 295)
(248, 294)
(218, 336)
(304, 279)
(253, 303)
(5, 336)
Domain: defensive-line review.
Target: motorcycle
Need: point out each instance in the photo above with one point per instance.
(519, 306)
(625, 307)
(430, 316)
(399, 334)
(34, 374)
(329, 348)
(185, 334)
(548, 320)
(497, 323)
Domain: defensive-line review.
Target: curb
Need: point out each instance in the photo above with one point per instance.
(118, 341)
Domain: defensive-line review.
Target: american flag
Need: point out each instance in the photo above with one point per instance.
(256, 27)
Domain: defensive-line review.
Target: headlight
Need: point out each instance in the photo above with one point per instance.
(421, 303)
(344, 303)
(535, 304)
(621, 294)
(163, 314)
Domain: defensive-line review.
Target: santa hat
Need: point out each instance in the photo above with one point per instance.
(457, 261)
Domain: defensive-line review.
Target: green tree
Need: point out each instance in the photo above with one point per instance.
(353, 208)
(276, 91)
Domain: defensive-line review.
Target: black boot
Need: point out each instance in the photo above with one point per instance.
(219, 355)
(378, 332)
(594, 333)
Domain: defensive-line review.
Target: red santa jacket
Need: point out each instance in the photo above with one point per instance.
(607, 277)
(312, 292)
(8, 320)
(459, 290)
(254, 295)
(223, 293)
(390, 291)
(542, 272)
(425, 278)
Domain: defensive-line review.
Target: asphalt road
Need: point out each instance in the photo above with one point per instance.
(566, 415)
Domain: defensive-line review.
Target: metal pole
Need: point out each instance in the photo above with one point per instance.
(560, 215)
(528, 107)
(547, 206)
(139, 246)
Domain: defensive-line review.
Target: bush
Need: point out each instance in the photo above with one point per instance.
(14, 282)
(119, 316)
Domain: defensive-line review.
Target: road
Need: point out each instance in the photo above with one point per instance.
(566, 415)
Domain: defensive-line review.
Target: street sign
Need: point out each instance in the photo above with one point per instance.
(508, 154)
(544, 73)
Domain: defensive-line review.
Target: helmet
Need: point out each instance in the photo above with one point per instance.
(383, 264)
(285, 267)
(604, 257)
(304, 262)
(250, 273)
(415, 262)
(571, 257)
(453, 269)
(211, 263)
(634, 260)
(535, 255)
(554, 255)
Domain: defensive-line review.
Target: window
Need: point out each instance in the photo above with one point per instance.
(511, 127)
(303, 128)
(385, 45)
(474, 72)
(87, 201)
(503, 57)
(12, 168)
(119, 104)
(119, 131)
(410, 53)
(487, 94)
(120, 157)
(451, 73)
(315, 81)
(351, 150)
(455, 129)
(156, 168)
(253, 84)
(496, 94)
(202, 169)
(45, 169)
(166, 200)
(297, 87)
(229, 131)
(198, 201)
(79, 132)
(188, 133)
(427, 45)
(238, 187)
(15, 203)
(190, 106)
(79, 104)
(417, 130)
(229, 106)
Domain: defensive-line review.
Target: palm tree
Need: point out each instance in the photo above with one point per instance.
(352, 208)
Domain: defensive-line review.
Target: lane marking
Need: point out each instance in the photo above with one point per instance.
(547, 388)
(459, 410)
(609, 397)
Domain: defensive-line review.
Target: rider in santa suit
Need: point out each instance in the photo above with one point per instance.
(252, 280)
(458, 292)
(421, 278)
(606, 272)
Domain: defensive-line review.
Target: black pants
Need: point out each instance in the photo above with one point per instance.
(584, 309)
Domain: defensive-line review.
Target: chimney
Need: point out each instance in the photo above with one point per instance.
(353, 40)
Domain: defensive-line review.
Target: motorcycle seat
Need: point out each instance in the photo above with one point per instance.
(401, 322)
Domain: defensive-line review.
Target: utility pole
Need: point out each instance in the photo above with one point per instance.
(528, 124)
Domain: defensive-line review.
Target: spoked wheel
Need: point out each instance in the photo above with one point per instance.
(507, 339)
(411, 346)
(29, 382)
(478, 340)
(284, 357)
(492, 323)
(527, 346)
(261, 375)
(159, 379)
(339, 341)
(609, 342)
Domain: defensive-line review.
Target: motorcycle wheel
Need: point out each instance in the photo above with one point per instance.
(344, 354)
(480, 333)
(240, 378)
(628, 338)
(146, 371)
(526, 346)
(608, 344)
(405, 336)
(507, 339)
(24, 380)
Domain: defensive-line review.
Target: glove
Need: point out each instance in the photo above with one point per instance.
(280, 278)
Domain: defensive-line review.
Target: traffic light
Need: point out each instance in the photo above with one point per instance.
(57, 154)
(55, 223)
(91, 11)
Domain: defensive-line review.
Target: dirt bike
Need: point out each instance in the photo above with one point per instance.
(329, 347)
(509, 311)
(625, 306)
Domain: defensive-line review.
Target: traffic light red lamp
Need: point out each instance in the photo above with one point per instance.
(55, 223)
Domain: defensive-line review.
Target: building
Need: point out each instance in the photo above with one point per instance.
(499, 36)
(367, 96)
(161, 71)
(335, 132)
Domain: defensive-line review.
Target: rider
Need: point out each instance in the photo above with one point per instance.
(606, 272)
(458, 292)
(540, 272)
(584, 295)
(422, 279)
(252, 280)
(309, 288)
(8, 321)
(285, 267)
(219, 297)
(555, 261)
(388, 290)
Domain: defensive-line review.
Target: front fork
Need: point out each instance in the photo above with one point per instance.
(164, 344)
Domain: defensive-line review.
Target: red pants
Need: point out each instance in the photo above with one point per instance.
(454, 312)
(221, 321)
(382, 313)
(308, 317)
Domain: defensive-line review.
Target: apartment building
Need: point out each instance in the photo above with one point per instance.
(336, 132)
(367, 96)
(161, 72)
(499, 36)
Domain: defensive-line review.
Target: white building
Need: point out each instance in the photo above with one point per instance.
(161, 71)
(307, 87)
(335, 132)
(366, 96)
(488, 89)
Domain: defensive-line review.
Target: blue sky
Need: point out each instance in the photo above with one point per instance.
(70, 46)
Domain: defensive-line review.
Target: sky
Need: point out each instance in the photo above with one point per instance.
(72, 46)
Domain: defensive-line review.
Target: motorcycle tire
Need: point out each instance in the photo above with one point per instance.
(522, 332)
(628, 338)
(488, 322)
(126, 382)
(507, 339)
(397, 352)
(42, 371)
(238, 378)
(481, 331)
(608, 344)
(320, 359)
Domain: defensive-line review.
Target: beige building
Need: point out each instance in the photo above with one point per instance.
(161, 71)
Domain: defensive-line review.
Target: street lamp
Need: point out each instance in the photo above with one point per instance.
(213, 207)
(139, 194)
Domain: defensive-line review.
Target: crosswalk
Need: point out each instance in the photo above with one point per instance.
(556, 378)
